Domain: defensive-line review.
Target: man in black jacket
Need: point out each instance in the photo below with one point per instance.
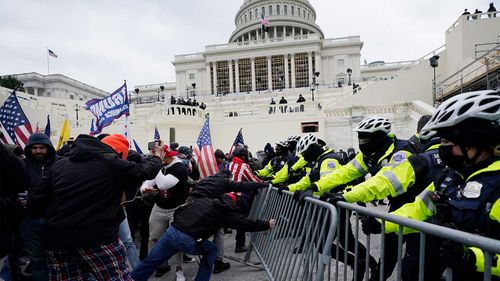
(40, 157)
(193, 224)
(80, 200)
(12, 181)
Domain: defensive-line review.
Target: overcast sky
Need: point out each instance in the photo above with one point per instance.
(102, 42)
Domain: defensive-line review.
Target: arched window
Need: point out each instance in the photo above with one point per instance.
(286, 10)
(263, 11)
(245, 17)
(298, 12)
(256, 13)
(250, 15)
(293, 11)
(278, 10)
(270, 10)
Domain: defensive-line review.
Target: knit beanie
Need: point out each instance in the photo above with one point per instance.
(119, 144)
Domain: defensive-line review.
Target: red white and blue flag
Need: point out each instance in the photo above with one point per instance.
(16, 127)
(51, 53)
(237, 142)
(204, 152)
(157, 134)
(264, 21)
(109, 108)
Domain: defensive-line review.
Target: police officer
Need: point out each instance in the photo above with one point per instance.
(295, 167)
(466, 195)
(404, 181)
(325, 162)
(276, 163)
(380, 151)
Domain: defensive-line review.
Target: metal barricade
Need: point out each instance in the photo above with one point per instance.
(299, 247)
(376, 244)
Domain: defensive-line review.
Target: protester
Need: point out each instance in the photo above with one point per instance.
(13, 180)
(168, 189)
(301, 98)
(492, 11)
(80, 200)
(193, 224)
(221, 159)
(40, 157)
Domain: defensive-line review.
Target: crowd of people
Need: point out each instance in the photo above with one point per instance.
(188, 102)
(79, 213)
(477, 13)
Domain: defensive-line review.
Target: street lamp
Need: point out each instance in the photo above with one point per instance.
(187, 92)
(314, 85)
(349, 73)
(194, 90)
(76, 108)
(161, 88)
(434, 63)
(137, 93)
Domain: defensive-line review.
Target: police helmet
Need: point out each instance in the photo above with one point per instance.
(305, 142)
(374, 124)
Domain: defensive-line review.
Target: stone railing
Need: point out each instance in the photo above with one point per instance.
(265, 111)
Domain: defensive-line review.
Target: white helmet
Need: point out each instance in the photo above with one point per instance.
(305, 142)
(374, 124)
(427, 134)
(282, 143)
(293, 138)
(479, 104)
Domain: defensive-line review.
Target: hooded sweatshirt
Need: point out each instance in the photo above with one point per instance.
(80, 195)
(34, 168)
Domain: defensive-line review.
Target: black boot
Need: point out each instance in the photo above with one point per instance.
(221, 266)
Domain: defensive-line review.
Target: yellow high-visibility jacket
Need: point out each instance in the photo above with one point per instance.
(282, 175)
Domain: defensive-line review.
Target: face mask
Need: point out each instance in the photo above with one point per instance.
(366, 148)
(453, 161)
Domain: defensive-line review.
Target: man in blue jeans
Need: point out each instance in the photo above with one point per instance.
(193, 224)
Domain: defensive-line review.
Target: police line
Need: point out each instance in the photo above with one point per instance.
(300, 246)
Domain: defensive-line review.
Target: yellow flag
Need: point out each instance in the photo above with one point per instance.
(64, 137)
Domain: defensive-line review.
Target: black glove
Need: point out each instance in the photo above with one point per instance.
(454, 255)
(282, 187)
(370, 225)
(335, 198)
(300, 196)
(325, 196)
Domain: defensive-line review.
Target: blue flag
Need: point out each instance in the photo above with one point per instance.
(137, 148)
(110, 108)
(47, 127)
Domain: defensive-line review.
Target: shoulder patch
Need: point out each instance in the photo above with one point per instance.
(331, 164)
(399, 157)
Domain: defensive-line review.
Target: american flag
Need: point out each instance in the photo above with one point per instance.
(264, 21)
(52, 54)
(157, 134)
(16, 127)
(237, 142)
(204, 152)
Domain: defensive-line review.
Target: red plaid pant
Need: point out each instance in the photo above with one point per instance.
(104, 262)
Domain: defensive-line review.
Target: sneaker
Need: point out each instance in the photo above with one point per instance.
(162, 270)
(187, 259)
(179, 276)
(221, 266)
(240, 249)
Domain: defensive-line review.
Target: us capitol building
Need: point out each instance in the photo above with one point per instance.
(287, 58)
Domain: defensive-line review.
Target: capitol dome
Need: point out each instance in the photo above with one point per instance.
(286, 18)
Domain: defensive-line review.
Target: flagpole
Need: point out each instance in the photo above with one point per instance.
(48, 71)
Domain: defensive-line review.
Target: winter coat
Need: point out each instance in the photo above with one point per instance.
(13, 179)
(34, 168)
(80, 195)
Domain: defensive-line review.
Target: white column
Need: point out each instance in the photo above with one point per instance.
(293, 31)
(269, 74)
(215, 77)
(249, 36)
(293, 70)
(301, 31)
(284, 31)
(208, 79)
(275, 32)
(237, 72)
(230, 64)
(309, 60)
(253, 74)
(259, 35)
(287, 79)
